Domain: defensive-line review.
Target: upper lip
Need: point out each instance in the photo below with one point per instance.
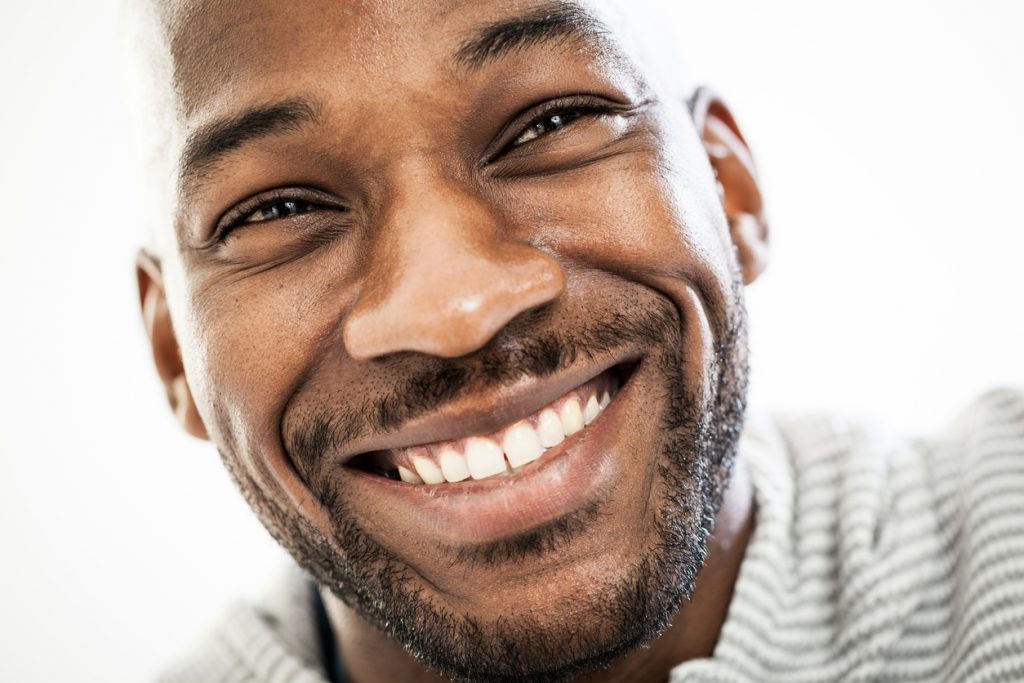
(480, 412)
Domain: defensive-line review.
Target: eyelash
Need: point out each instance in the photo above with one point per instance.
(577, 108)
(568, 111)
(242, 214)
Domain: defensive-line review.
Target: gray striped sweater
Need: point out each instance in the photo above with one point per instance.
(873, 559)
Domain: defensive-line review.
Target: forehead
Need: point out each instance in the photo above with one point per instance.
(223, 49)
(375, 67)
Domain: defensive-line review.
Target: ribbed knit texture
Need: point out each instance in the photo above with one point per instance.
(876, 560)
(873, 559)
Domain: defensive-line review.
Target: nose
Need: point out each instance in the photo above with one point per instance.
(444, 277)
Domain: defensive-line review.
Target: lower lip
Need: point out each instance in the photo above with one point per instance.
(564, 480)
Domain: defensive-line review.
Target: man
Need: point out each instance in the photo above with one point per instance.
(456, 290)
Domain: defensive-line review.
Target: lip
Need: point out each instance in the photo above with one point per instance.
(481, 412)
(563, 480)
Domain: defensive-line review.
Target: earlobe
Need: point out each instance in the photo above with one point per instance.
(164, 344)
(737, 181)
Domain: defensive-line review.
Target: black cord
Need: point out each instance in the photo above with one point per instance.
(325, 634)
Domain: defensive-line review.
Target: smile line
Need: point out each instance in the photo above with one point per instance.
(503, 452)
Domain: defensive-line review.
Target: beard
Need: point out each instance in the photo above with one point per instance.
(700, 428)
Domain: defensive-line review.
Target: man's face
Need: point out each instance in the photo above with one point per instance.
(417, 241)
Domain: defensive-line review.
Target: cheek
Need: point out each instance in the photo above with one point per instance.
(648, 221)
(640, 219)
(249, 343)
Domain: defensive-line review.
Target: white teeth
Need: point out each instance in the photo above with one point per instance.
(484, 457)
(571, 417)
(428, 471)
(521, 445)
(408, 476)
(549, 428)
(453, 465)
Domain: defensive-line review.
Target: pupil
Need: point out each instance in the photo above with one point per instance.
(281, 209)
(548, 124)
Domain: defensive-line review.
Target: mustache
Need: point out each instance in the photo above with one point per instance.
(514, 355)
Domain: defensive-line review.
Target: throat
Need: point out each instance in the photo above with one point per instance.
(365, 654)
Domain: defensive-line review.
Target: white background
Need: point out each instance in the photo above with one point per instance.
(889, 136)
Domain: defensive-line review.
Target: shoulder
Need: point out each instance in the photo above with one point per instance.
(272, 641)
(944, 510)
(222, 653)
(977, 465)
(992, 425)
(977, 469)
(984, 442)
(877, 556)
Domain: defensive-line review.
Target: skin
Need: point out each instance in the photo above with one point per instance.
(432, 243)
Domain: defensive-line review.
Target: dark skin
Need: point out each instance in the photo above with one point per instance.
(410, 216)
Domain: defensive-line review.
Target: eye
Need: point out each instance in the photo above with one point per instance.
(277, 209)
(285, 204)
(547, 124)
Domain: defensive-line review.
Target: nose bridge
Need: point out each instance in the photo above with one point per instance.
(444, 276)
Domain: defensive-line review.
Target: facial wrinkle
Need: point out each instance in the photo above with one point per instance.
(531, 356)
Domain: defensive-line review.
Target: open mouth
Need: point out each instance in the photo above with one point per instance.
(509, 450)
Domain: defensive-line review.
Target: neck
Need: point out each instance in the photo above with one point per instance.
(369, 655)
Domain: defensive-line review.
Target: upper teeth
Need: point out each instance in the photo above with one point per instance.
(519, 444)
(522, 445)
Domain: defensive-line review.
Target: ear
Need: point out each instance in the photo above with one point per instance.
(737, 180)
(164, 343)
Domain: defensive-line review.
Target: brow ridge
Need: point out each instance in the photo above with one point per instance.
(552, 22)
(212, 141)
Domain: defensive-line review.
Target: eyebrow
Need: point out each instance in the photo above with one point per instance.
(210, 142)
(553, 22)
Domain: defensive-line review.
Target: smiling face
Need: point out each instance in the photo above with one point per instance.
(454, 294)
